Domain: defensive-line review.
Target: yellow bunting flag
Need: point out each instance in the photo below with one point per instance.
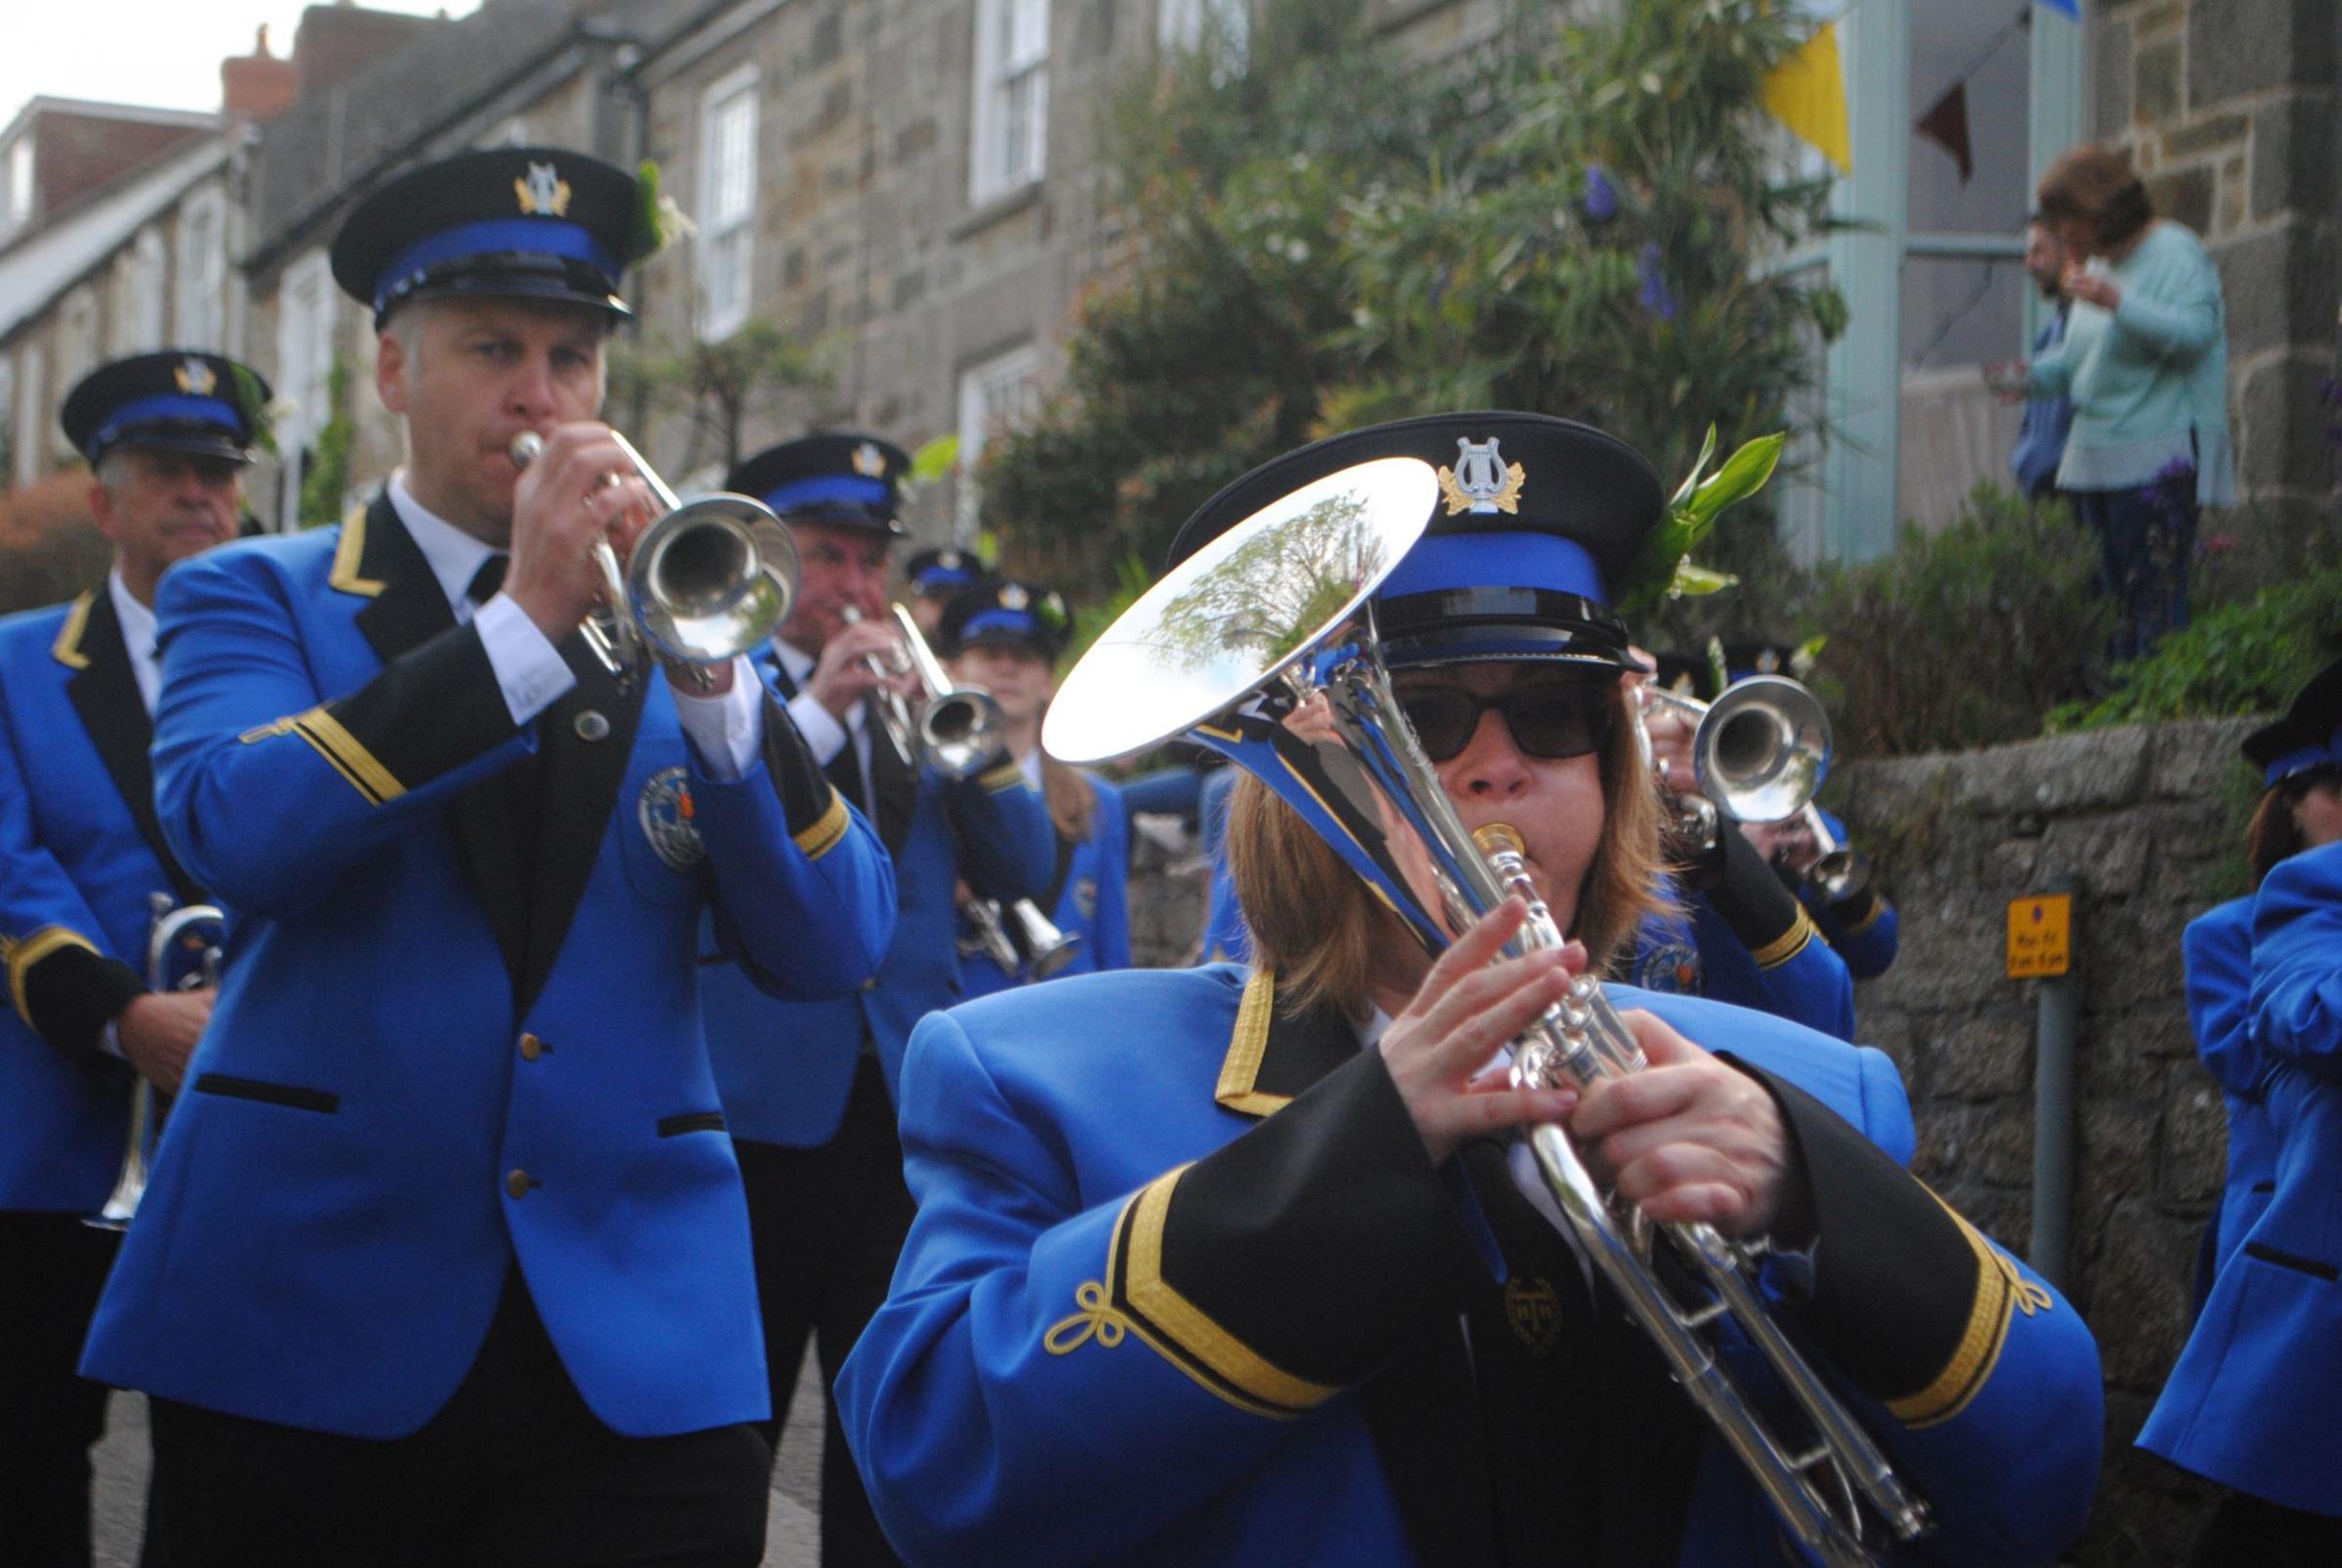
(1808, 93)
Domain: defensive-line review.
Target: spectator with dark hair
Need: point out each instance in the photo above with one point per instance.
(2145, 362)
(2042, 437)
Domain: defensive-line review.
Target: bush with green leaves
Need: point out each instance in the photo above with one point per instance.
(1566, 220)
(2248, 656)
(1962, 637)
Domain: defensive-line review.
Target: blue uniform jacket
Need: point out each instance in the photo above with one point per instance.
(1182, 1288)
(2217, 948)
(1092, 901)
(427, 1065)
(1745, 940)
(1224, 936)
(1862, 929)
(2252, 1398)
(80, 855)
(784, 1069)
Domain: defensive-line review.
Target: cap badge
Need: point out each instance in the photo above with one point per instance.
(195, 378)
(1482, 480)
(869, 461)
(542, 192)
(948, 560)
(1014, 598)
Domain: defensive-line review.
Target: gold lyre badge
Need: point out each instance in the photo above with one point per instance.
(1534, 1311)
(195, 378)
(542, 192)
(869, 461)
(1481, 481)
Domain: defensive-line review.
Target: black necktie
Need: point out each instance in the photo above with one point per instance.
(488, 578)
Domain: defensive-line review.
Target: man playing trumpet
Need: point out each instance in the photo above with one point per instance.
(448, 1259)
(167, 437)
(808, 1089)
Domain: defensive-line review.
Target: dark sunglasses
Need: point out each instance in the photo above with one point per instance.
(1553, 720)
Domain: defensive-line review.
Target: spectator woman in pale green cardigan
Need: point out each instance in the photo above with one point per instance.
(2145, 362)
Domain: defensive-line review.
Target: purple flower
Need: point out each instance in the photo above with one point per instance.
(1601, 200)
(1657, 298)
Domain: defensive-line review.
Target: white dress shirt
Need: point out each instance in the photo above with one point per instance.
(138, 634)
(819, 726)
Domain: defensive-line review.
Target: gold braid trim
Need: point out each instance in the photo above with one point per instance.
(351, 760)
(1245, 1049)
(23, 955)
(66, 650)
(1870, 917)
(1790, 942)
(2001, 1293)
(1006, 777)
(1171, 1325)
(828, 828)
(347, 554)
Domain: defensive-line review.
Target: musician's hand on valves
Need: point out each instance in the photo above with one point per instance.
(1689, 1138)
(582, 489)
(158, 1032)
(844, 675)
(1671, 734)
(1441, 1051)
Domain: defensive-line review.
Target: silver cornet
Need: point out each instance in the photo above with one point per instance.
(709, 580)
(959, 728)
(184, 945)
(1035, 948)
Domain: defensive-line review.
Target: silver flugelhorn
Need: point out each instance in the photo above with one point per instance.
(184, 945)
(1761, 753)
(1034, 950)
(1262, 644)
(710, 578)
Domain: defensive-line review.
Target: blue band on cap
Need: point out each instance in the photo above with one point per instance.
(1016, 623)
(169, 406)
(853, 489)
(1519, 560)
(943, 576)
(493, 236)
(2303, 758)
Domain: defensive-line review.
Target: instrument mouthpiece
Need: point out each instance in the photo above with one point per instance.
(525, 446)
(1497, 838)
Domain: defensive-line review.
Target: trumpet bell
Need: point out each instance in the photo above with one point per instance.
(960, 732)
(712, 579)
(1762, 750)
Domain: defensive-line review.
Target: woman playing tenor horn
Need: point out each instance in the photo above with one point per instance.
(1252, 1265)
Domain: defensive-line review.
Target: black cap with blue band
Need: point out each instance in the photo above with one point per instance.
(179, 400)
(1538, 522)
(536, 222)
(1006, 612)
(942, 570)
(2308, 737)
(847, 480)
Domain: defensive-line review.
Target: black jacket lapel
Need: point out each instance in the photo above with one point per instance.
(406, 608)
(894, 781)
(577, 786)
(104, 692)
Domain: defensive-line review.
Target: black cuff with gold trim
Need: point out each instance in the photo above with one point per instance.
(1855, 915)
(1765, 916)
(815, 812)
(429, 711)
(71, 993)
(1897, 1275)
(1320, 1240)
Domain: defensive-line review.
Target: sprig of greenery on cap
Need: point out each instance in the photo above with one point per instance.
(659, 215)
(260, 415)
(1664, 569)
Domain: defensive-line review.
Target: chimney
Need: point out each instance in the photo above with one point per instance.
(338, 40)
(257, 86)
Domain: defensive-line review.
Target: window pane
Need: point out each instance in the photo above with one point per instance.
(1958, 314)
(1970, 67)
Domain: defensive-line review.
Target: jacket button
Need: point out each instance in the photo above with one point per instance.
(870, 984)
(518, 1183)
(531, 1048)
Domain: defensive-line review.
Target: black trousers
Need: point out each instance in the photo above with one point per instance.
(827, 1225)
(51, 1268)
(515, 1471)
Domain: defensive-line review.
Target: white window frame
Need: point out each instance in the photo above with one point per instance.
(996, 394)
(31, 399)
(726, 248)
(305, 312)
(19, 184)
(1009, 141)
(200, 302)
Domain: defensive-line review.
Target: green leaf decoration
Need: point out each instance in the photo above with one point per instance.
(934, 460)
(1664, 569)
(253, 405)
(1806, 655)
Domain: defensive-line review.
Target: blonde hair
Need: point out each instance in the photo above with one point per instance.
(1072, 803)
(1314, 921)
